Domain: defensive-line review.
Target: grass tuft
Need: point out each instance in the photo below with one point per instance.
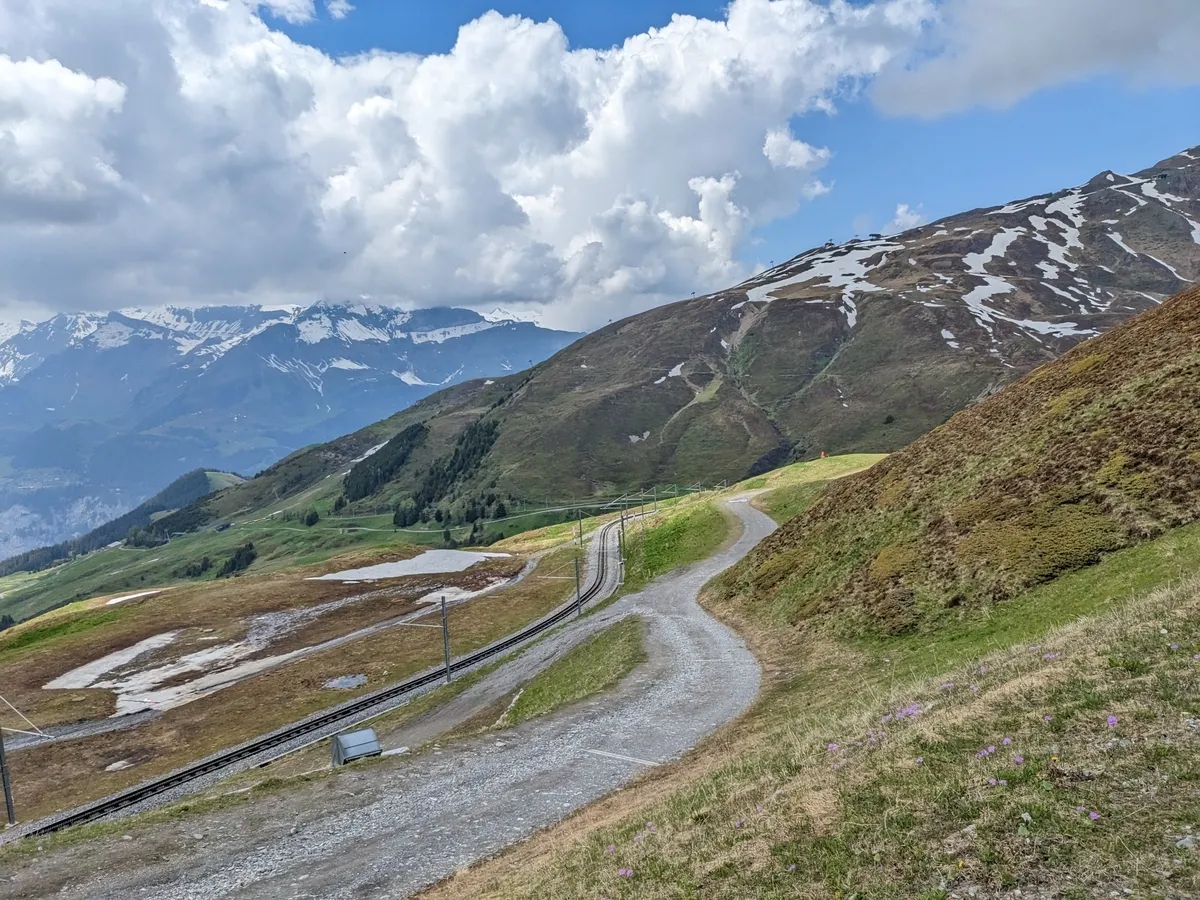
(594, 666)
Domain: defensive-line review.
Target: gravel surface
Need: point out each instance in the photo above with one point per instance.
(79, 730)
(392, 828)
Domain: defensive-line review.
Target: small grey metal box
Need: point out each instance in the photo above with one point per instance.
(355, 745)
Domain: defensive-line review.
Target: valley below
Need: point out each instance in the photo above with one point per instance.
(467, 798)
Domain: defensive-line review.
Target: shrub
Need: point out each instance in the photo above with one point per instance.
(241, 560)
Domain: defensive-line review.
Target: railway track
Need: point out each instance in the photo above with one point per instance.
(338, 718)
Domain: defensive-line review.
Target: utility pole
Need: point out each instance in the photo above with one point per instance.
(580, 527)
(8, 800)
(621, 553)
(578, 590)
(446, 638)
(656, 498)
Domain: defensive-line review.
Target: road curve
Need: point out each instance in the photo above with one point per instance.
(390, 830)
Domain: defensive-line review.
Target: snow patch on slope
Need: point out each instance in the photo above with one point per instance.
(410, 377)
(843, 267)
(441, 335)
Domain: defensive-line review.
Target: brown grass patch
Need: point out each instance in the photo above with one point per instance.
(63, 774)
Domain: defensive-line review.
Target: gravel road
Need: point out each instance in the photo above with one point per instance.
(389, 829)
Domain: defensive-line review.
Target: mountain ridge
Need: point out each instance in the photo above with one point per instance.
(858, 347)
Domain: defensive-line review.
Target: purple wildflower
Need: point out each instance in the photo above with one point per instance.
(1018, 759)
(1006, 741)
(1047, 718)
(974, 689)
(625, 873)
(1003, 782)
(611, 848)
(949, 685)
(738, 823)
(1174, 646)
(792, 867)
(1080, 809)
(1049, 656)
(832, 748)
(650, 826)
(983, 670)
(920, 760)
(1094, 816)
(992, 781)
(1112, 721)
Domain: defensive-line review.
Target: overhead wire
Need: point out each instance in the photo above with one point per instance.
(23, 716)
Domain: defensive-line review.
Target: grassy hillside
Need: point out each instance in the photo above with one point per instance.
(1091, 453)
(791, 490)
(1020, 718)
(855, 348)
(1061, 765)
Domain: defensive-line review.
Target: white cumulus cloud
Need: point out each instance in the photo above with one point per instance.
(54, 166)
(995, 52)
(905, 219)
(187, 152)
(338, 9)
(295, 11)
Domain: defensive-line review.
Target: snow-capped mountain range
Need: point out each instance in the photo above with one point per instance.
(1052, 269)
(99, 410)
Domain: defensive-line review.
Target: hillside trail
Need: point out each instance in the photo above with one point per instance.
(390, 829)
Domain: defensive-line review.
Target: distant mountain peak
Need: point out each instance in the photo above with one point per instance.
(500, 314)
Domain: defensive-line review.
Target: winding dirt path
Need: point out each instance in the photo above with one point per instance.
(390, 829)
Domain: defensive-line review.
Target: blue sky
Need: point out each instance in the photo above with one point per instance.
(1057, 137)
(204, 152)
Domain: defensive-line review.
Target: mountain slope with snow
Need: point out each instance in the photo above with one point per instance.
(97, 411)
(863, 346)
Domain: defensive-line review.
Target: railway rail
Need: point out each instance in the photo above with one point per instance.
(343, 716)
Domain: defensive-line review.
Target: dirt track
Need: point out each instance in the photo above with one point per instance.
(391, 828)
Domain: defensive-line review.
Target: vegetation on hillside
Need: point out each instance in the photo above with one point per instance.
(446, 473)
(791, 490)
(981, 660)
(588, 669)
(1062, 765)
(240, 561)
(379, 468)
(1091, 453)
(677, 536)
(135, 524)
